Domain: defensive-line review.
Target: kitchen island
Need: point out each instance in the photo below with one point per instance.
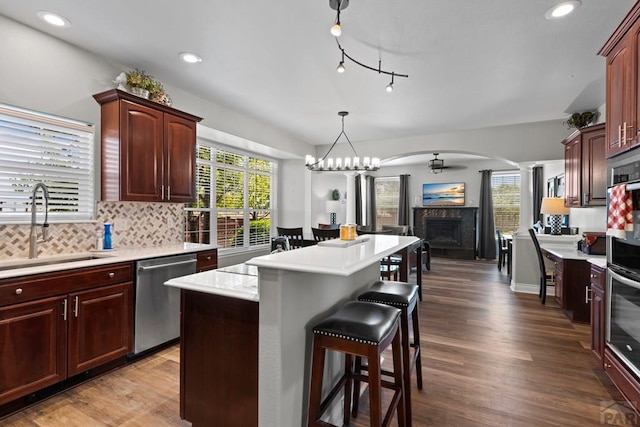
(295, 289)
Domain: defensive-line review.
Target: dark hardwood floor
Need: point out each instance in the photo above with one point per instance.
(490, 358)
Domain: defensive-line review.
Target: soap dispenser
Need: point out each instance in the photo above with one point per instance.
(107, 235)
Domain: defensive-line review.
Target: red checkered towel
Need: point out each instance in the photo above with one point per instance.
(620, 217)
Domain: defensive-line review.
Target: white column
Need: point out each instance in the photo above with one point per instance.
(526, 198)
(351, 197)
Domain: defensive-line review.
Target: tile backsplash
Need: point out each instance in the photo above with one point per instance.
(135, 224)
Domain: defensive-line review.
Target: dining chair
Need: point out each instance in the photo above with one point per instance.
(320, 234)
(503, 250)
(294, 235)
(546, 276)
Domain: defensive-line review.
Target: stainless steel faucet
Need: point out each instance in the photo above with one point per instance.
(33, 237)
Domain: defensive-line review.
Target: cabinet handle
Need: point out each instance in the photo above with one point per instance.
(606, 365)
(64, 309)
(593, 276)
(162, 191)
(18, 291)
(112, 274)
(587, 295)
(209, 258)
(168, 192)
(619, 135)
(624, 133)
(75, 309)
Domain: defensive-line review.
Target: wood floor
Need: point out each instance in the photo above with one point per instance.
(490, 358)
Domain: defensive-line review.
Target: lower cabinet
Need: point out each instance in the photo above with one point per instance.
(598, 314)
(626, 382)
(571, 278)
(62, 324)
(207, 260)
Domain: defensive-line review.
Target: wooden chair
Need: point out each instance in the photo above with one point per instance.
(294, 235)
(503, 250)
(546, 276)
(395, 260)
(325, 234)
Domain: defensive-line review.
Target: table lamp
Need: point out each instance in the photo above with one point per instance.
(554, 207)
(332, 207)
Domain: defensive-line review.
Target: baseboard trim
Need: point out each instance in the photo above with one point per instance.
(528, 288)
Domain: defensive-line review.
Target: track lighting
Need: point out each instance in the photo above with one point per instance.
(342, 4)
(390, 85)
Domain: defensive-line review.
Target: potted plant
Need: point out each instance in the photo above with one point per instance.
(139, 82)
(579, 120)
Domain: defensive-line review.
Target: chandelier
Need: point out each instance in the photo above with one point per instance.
(354, 163)
(336, 31)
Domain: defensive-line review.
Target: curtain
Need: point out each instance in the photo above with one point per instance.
(403, 202)
(359, 194)
(486, 228)
(371, 202)
(538, 192)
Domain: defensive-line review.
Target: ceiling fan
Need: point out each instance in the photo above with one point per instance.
(436, 165)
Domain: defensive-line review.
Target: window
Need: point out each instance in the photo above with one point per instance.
(387, 199)
(505, 188)
(37, 147)
(233, 189)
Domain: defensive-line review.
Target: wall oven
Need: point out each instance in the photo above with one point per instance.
(623, 272)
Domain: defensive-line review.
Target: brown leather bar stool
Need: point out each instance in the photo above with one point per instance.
(365, 330)
(405, 297)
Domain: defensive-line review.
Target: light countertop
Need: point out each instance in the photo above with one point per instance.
(569, 251)
(16, 267)
(341, 261)
(237, 281)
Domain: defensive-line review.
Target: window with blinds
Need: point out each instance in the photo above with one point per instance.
(239, 213)
(37, 147)
(505, 188)
(387, 200)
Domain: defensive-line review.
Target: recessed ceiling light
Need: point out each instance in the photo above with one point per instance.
(53, 19)
(562, 9)
(189, 57)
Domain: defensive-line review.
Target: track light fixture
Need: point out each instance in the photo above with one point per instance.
(336, 30)
(342, 164)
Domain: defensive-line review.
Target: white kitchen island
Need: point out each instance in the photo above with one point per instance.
(295, 290)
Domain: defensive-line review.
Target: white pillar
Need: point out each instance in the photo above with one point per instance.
(351, 197)
(526, 199)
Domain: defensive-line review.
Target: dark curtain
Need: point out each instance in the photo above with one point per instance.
(371, 202)
(538, 192)
(403, 201)
(486, 227)
(358, 181)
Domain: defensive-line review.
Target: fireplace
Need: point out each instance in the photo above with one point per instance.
(443, 232)
(451, 232)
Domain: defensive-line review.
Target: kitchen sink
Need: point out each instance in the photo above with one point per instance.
(51, 260)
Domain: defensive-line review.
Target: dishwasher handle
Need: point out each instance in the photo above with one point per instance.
(170, 264)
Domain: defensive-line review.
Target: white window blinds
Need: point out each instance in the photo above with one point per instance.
(36, 147)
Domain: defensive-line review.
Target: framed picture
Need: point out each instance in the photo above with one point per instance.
(551, 187)
(560, 185)
(443, 194)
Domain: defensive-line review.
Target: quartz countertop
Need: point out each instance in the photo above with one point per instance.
(341, 261)
(570, 252)
(236, 281)
(16, 267)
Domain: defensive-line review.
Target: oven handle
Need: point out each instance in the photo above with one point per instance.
(630, 187)
(623, 279)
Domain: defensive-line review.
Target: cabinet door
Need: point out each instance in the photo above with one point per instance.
(572, 172)
(100, 326)
(141, 148)
(620, 98)
(180, 155)
(33, 347)
(594, 168)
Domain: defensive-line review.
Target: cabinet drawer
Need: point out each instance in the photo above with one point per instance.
(207, 260)
(27, 288)
(622, 378)
(597, 277)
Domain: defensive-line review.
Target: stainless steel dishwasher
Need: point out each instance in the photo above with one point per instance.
(157, 307)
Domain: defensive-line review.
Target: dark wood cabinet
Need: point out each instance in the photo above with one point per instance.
(623, 111)
(148, 150)
(56, 325)
(571, 277)
(207, 260)
(598, 314)
(585, 167)
(624, 380)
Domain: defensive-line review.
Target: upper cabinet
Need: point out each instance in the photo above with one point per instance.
(623, 109)
(585, 167)
(148, 150)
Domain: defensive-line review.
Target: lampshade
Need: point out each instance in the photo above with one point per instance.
(553, 206)
(332, 206)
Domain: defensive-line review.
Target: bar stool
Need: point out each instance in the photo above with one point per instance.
(365, 330)
(405, 297)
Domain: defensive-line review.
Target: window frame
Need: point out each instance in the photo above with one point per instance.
(517, 181)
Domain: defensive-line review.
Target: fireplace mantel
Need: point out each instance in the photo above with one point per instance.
(451, 231)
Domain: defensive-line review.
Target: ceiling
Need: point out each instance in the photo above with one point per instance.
(471, 64)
